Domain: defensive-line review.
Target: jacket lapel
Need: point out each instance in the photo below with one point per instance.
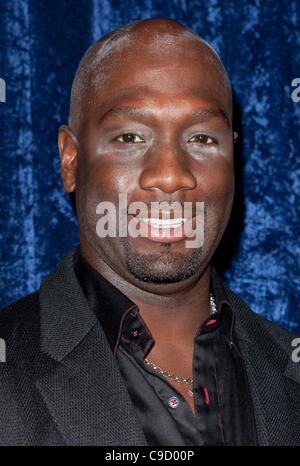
(82, 388)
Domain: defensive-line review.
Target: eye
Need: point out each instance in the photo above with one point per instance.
(129, 138)
(203, 139)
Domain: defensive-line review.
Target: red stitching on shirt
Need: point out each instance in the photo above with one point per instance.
(206, 396)
(211, 321)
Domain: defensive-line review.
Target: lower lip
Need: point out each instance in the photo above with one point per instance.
(162, 235)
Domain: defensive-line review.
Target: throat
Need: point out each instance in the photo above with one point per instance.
(173, 327)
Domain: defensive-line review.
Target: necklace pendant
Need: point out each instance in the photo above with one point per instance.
(190, 392)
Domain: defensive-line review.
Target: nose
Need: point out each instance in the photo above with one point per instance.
(167, 169)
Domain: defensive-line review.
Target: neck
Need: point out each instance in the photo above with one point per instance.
(172, 312)
(177, 318)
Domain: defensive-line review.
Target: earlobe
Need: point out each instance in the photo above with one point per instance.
(68, 149)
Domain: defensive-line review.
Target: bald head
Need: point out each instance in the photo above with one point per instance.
(157, 36)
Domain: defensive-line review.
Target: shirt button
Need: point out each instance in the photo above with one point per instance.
(173, 402)
(135, 332)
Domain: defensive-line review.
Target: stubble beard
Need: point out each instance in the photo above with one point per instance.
(164, 268)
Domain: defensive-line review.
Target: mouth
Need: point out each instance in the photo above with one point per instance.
(162, 230)
(164, 223)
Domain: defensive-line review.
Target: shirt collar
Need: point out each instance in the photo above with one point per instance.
(119, 316)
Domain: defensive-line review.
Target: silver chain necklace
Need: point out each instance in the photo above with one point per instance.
(172, 376)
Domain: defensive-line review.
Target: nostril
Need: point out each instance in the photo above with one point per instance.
(167, 179)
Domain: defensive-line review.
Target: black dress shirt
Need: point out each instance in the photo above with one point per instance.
(224, 414)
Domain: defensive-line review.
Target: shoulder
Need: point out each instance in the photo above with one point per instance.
(23, 311)
(255, 325)
(19, 329)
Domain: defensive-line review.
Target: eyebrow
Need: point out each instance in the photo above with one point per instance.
(198, 115)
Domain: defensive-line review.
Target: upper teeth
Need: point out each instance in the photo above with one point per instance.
(164, 223)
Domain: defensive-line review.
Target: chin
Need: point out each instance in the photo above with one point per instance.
(165, 267)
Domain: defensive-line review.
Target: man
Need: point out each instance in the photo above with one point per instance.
(134, 339)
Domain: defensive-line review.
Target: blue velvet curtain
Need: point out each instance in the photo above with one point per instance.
(41, 42)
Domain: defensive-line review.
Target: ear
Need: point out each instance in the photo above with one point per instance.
(68, 149)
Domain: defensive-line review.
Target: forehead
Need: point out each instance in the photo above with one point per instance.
(170, 69)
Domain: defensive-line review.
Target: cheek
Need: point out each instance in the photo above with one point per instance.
(105, 180)
(215, 179)
(223, 186)
(101, 181)
(106, 173)
(219, 190)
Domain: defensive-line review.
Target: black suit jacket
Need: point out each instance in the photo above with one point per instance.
(60, 384)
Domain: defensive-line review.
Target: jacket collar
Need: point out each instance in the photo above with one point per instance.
(66, 317)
